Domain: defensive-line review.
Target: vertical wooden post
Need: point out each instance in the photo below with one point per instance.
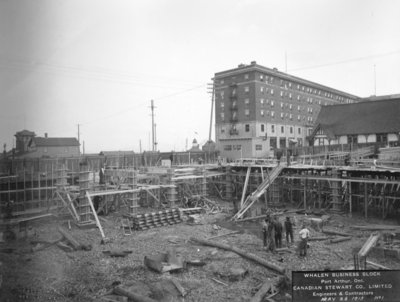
(52, 180)
(31, 188)
(350, 201)
(46, 196)
(24, 186)
(204, 183)
(228, 183)
(365, 201)
(39, 191)
(319, 194)
(265, 192)
(9, 189)
(305, 194)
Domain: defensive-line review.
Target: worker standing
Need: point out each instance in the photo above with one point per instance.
(288, 230)
(271, 236)
(304, 235)
(278, 232)
(264, 231)
(9, 209)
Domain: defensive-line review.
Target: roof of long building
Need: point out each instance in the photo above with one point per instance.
(25, 133)
(368, 117)
(274, 71)
(55, 141)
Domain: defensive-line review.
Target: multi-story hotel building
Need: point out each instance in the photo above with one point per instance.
(259, 109)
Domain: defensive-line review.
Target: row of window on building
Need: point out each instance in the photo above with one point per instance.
(239, 147)
(270, 114)
(290, 85)
(263, 101)
(271, 104)
(273, 128)
(273, 143)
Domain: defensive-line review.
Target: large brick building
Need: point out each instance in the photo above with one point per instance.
(259, 109)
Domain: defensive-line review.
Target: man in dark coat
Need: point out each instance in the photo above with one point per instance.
(270, 235)
(278, 233)
(288, 230)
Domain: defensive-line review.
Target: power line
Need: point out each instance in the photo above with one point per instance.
(140, 104)
(346, 61)
(180, 92)
(95, 73)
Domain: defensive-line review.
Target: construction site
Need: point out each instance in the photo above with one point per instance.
(128, 229)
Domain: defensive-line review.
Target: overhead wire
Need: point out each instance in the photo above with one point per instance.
(345, 61)
(97, 74)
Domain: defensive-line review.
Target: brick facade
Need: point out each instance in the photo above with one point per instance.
(254, 104)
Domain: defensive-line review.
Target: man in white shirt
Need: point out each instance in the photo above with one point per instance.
(304, 235)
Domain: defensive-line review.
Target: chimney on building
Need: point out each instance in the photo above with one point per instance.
(241, 65)
(45, 135)
(253, 62)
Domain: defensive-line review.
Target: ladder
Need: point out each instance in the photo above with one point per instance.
(126, 226)
(253, 197)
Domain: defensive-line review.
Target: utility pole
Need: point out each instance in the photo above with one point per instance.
(211, 89)
(374, 79)
(79, 139)
(140, 146)
(152, 125)
(83, 147)
(155, 137)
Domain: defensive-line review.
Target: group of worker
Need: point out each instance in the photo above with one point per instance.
(273, 231)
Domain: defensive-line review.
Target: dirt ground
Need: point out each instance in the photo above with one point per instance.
(52, 274)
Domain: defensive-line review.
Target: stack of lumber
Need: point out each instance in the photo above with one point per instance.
(191, 211)
(156, 219)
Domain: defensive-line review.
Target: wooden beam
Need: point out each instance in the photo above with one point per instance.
(242, 253)
(355, 180)
(365, 201)
(131, 295)
(246, 182)
(305, 194)
(70, 238)
(154, 196)
(106, 193)
(95, 215)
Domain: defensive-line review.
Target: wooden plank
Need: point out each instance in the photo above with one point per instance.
(378, 265)
(69, 206)
(70, 238)
(242, 253)
(333, 232)
(222, 235)
(369, 244)
(268, 286)
(95, 215)
(131, 295)
(246, 182)
(339, 239)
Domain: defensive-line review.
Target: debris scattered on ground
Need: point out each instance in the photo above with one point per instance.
(165, 262)
(117, 253)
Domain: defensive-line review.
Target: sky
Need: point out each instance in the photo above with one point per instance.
(99, 63)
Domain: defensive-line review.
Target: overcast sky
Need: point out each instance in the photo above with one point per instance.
(98, 63)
